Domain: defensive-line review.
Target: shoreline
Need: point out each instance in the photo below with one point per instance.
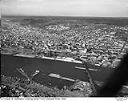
(30, 55)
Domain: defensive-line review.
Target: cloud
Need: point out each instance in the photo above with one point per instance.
(116, 8)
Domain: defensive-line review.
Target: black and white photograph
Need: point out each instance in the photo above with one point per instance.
(64, 48)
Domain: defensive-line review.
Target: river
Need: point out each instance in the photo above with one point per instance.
(66, 72)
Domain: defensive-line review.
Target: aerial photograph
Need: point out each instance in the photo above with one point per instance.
(64, 48)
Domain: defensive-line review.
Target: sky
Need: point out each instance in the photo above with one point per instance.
(94, 8)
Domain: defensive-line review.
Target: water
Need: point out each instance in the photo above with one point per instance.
(69, 70)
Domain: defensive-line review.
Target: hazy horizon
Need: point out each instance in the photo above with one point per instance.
(68, 8)
(60, 16)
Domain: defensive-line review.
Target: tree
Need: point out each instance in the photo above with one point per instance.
(91, 80)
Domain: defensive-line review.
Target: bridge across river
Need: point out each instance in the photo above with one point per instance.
(66, 72)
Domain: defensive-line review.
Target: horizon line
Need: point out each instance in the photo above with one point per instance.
(61, 16)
